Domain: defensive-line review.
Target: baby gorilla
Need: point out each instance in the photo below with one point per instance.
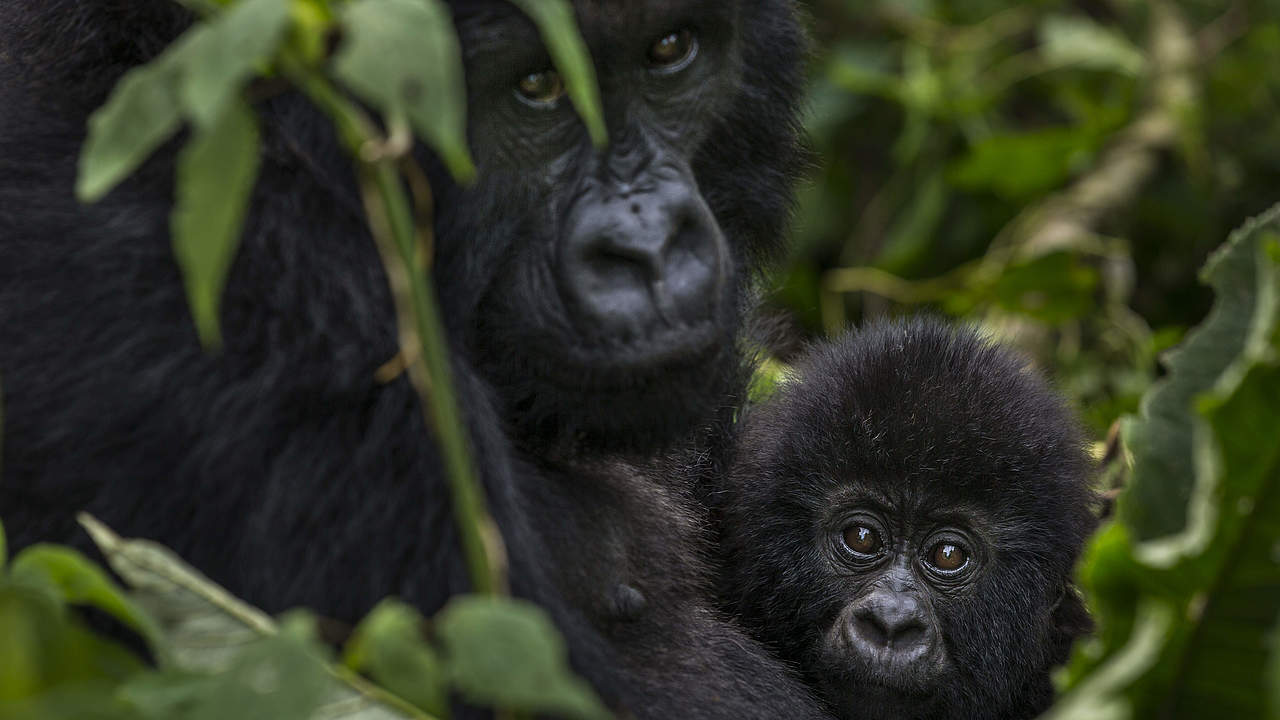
(901, 523)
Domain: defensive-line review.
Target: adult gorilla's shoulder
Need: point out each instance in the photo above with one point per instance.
(591, 300)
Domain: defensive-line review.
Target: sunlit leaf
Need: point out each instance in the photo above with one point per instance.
(507, 653)
(403, 57)
(559, 30)
(224, 53)
(216, 173)
(1079, 41)
(43, 648)
(80, 581)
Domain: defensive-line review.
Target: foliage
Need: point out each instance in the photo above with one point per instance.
(962, 142)
(1055, 170)
(1186, 616)
(217, 657)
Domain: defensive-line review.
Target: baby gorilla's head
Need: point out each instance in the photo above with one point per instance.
(902, 521)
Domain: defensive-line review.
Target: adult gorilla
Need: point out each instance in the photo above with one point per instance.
(591, 302)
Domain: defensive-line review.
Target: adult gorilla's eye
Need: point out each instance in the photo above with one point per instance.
(862, 539)
(674, 51)
(541, 89)
(948, 557)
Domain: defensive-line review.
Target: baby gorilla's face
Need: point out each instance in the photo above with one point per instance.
(895, 569)
(902, 522)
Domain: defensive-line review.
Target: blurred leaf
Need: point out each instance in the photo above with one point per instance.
(389, 644)
(277, 677)
(1021, 166)
(1160, 437)
(224, 52)
(1053, 288)
(142, 112)
(79, 581)
(403, 57)
(208, 630)
(559, 31)
(1079, 41)
(507, 653)
(43, 649)
(216, 174)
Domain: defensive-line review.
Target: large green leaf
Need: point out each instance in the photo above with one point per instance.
(507, 653)
(1160, 437)
(403, 57)
(559, 31)
(225, 52)
(216, 173)
(1196, 607)
(221, 646)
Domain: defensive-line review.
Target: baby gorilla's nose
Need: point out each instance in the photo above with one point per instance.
(891, 627)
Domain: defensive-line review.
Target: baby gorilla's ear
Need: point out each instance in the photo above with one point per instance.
(1070, 621)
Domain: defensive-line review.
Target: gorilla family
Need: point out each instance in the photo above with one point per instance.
(902, 520)
(591, 300)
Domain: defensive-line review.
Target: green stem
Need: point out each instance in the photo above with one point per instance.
(391, 221)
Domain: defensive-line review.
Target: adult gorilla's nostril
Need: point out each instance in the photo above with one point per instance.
(629, 265)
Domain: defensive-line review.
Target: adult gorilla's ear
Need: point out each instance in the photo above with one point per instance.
(1070, 620)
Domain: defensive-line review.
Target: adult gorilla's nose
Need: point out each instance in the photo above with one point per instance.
(643, 259)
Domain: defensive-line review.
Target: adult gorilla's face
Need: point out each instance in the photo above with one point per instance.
(612, 278)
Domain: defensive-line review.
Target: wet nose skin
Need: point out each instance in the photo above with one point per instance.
(892, 626)
(632, 262)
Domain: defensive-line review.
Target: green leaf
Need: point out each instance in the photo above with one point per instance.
(1052, 288)
(1160, 437)
(81, 582)
(224, 53)
(1022, 166)
(42, 648)
(559, 31)
(1078, 41)
(216, 172)
(1217, 580)
(403, 57)
(142, 112)
(506, 653)
(389, 645)
(277, 677)
(207, 630)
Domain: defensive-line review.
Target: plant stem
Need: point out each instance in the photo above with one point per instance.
(392, 225)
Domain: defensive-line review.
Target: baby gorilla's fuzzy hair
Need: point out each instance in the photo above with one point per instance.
(929, 420)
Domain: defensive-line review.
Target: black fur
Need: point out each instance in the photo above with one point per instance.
(933, 426)
(280, 467)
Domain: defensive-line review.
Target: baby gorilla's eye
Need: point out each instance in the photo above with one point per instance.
(948, 557)
(673, 52)
(862, 539)
(541, 89)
